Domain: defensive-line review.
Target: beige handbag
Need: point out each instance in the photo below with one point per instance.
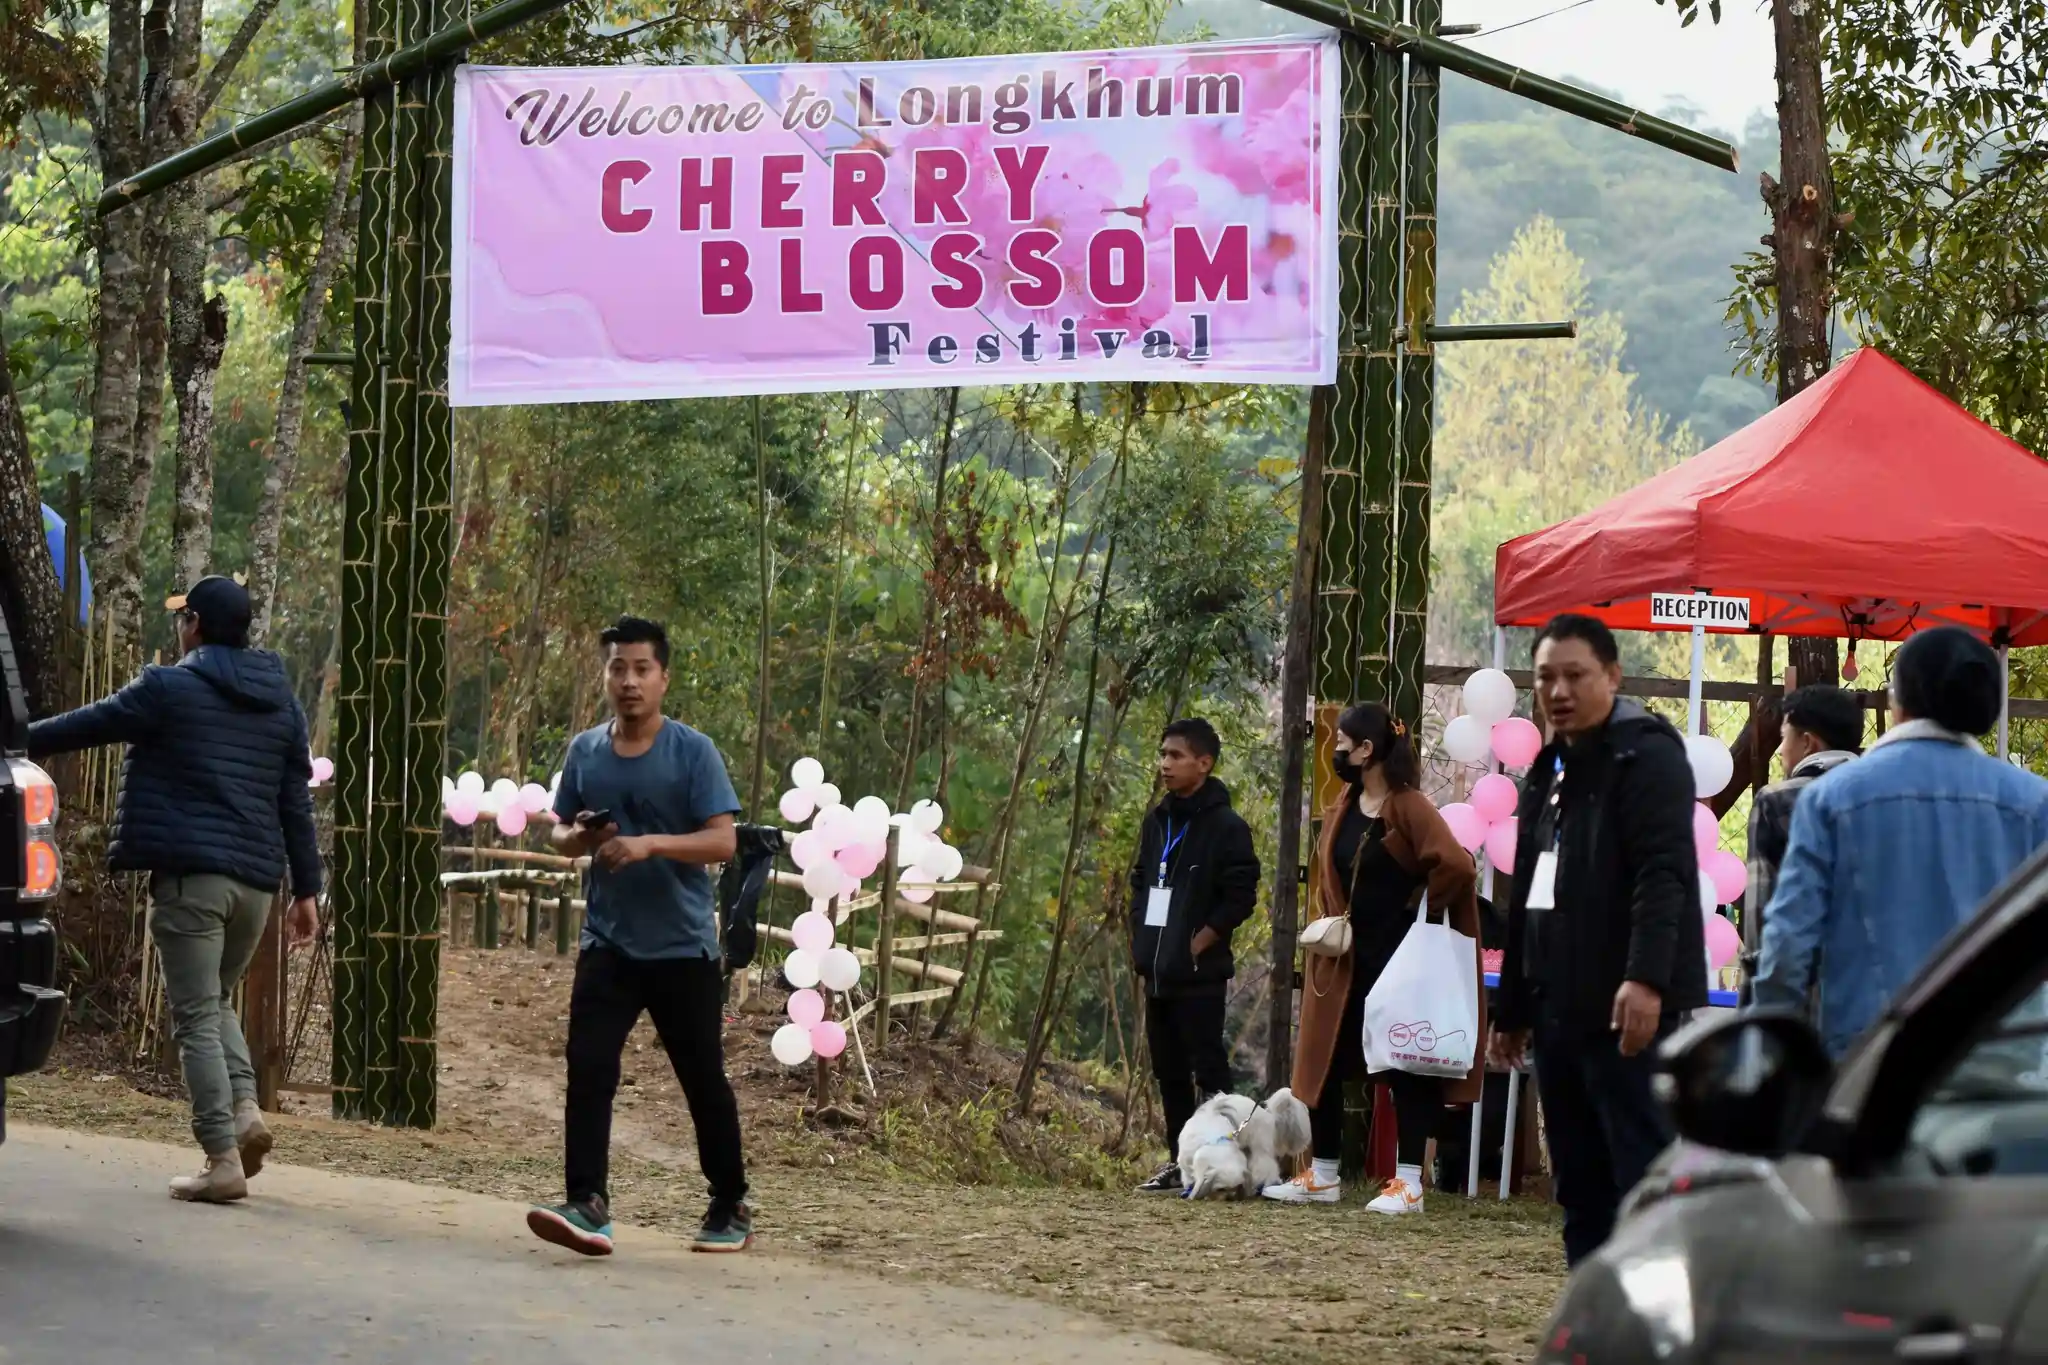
(1330, 936)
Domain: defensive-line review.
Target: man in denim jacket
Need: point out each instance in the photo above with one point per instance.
(1890, 853)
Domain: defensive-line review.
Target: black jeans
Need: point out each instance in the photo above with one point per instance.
(686, 997)
(1603, 1124)
(1418, 1100)
(1185, 1034)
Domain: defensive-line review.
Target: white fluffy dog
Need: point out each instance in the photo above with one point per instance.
(1231, 1148)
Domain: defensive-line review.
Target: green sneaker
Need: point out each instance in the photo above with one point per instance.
(728, 1226)
(582, 1225)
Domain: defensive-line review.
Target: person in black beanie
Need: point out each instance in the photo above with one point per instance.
(1890, 853)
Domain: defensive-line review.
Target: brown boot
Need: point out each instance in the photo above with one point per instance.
(252, 1136)
(222, 1182)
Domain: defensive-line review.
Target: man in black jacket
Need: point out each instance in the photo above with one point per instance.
(215, 807)
(1822, 729)
(1606, 948)
(1195, 880)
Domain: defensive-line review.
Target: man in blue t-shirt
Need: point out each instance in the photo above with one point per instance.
(647, 799)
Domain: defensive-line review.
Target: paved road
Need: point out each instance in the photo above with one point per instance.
(98, 1266)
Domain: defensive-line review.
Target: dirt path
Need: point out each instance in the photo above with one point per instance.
(100, 1265)
(1466, 1282)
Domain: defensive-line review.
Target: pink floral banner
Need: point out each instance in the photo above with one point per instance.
(635, 232)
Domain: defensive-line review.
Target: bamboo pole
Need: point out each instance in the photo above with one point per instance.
(1369, 21)
(387, 64)
(1418, 379)
(1379, 432)
(1499, 331)
(1337, 596)
(562, 917)
(884, 949)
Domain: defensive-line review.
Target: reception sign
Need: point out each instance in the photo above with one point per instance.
(638, 232)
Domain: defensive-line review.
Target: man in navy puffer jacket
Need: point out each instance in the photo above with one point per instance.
(215, 807)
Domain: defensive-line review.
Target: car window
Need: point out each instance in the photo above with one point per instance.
(1987, 1115)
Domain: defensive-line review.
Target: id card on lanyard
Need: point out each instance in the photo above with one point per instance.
(1543, 881)
(1159, 900)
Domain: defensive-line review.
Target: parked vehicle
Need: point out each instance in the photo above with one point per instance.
(1894, 1210)
(31, 1007)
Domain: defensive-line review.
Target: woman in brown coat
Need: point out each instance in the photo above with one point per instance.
(1383, 847)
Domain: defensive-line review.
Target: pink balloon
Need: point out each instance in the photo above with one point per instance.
(857, 860)
(1706, 831)
(1729, 874)
(512, 821)
(1723, 942)
(323, 769)
(828, 1038)
(462, 809)
(1495, 797)
(1466, 826)
(806, 1008)
(1501, 840)
(1516, 742)
(811, 932)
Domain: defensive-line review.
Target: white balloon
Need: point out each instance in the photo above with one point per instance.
(827, 794)
(807, 773)
(822, 879)
(926, 816)
(791, 1045)
(555, 783)
(1710, 899)
(807, 850)
(535, 798)
(1490, 695)
(910, 845)
(916, 893)
(944, 861)
(472, 783)
(1468, 739)
(843, 832)
(1712, 768)
(839, 970)
(872, 808)
(800, 968)
(824, 907)
(506, 790)
(871, 827)
(447, 788)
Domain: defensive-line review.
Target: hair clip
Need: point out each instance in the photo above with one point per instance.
(1400, 726)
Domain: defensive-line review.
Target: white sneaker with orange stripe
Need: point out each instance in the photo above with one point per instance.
(1305, 1189)
(1398, 1196)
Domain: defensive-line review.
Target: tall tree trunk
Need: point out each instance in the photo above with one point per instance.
(1802, 241)
(337, 241)
(199, 338)
(757, 784)
(1296, 662)
(825, 699)
(38, 601)
(930, 638)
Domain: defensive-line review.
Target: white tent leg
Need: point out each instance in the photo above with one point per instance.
(1694, 710)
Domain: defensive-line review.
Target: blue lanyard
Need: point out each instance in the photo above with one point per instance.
(1172, 842)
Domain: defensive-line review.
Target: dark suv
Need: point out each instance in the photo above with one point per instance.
(30, 1005)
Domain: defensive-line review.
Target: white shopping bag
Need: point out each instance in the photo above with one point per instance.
(1422, 1015)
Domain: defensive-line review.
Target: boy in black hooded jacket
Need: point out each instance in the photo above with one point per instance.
(1195, 880)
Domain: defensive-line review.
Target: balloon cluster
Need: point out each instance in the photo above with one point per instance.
(1487, 819)
(323, 772)
(844, 846)
(511, 806)
(814, 961)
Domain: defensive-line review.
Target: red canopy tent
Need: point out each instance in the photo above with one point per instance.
(1868, 507)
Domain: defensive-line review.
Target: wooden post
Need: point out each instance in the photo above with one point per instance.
(562, 917)
(263, 1008)
(487, 906)
(885, 941)
(532, 916)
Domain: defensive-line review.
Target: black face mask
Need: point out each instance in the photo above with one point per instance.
(1347, 767)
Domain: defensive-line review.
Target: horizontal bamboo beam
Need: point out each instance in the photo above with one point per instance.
(1450, 675)
(324, 98)
(938, 919)
(513, 875)
(905, 998)
(1499, 331)
(1353, 17)
(517, 855)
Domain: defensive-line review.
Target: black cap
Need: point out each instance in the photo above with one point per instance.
(222, 603)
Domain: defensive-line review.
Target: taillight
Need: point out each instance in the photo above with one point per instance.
(41, 869)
